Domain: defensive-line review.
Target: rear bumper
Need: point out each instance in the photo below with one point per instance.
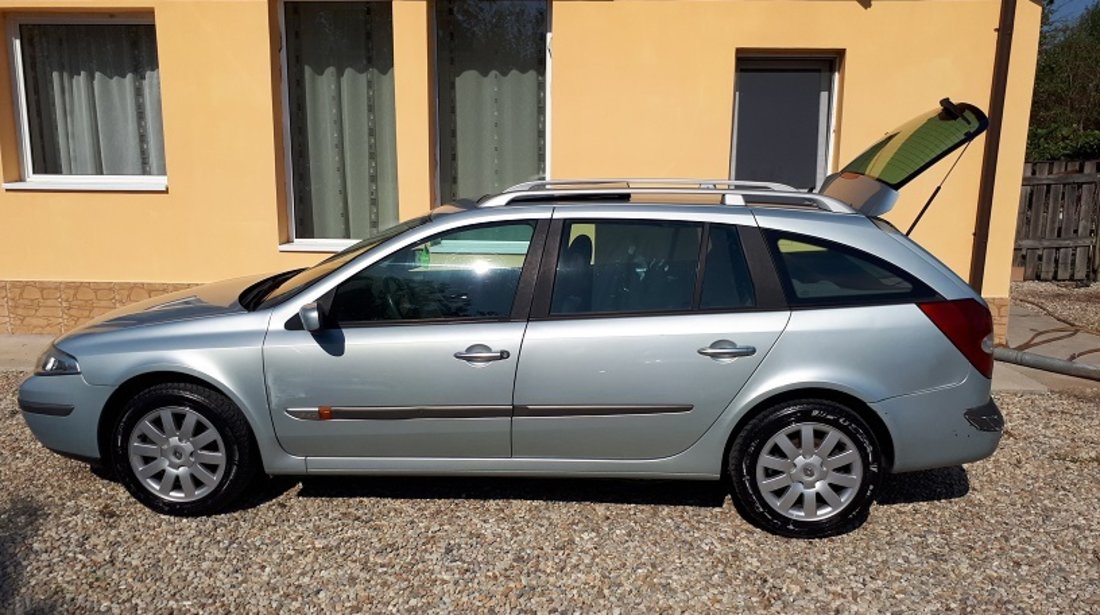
(945, 427)
(63, 413)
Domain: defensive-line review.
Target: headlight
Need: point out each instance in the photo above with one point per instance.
(54, 362)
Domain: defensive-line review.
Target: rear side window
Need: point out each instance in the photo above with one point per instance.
(818, 272)
(625, 266)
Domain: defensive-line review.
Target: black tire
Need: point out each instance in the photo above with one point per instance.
(241, 459)
(747, 447)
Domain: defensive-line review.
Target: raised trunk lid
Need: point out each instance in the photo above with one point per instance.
(870, 183)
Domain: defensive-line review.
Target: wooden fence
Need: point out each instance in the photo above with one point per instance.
(1058, 228)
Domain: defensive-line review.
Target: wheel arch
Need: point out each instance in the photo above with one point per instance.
(857, 405)
(114, 405)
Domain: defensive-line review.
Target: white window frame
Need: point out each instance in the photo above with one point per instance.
(827, 132)
(295, 243)
(47, 181)
(547, 115)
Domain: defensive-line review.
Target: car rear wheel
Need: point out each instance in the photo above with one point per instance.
(806, 468)
(183, 449)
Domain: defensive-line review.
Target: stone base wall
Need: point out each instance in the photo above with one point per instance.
(28, 307)
(998, 306)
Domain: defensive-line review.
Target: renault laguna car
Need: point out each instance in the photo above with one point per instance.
(791, 343)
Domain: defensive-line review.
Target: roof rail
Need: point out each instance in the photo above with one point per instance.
(651, 182)
(730, 196)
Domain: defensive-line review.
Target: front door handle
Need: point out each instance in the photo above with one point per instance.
(725, 349)
(480, 353)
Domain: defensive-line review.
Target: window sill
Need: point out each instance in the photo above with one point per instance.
(317, 245)
(110, 185)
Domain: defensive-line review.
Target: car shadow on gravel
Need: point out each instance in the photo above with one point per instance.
(596, 491)
(19, 522)
(947, 483)
(264, 490)
(925, 486)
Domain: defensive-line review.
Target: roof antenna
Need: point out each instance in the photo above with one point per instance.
(936, 192)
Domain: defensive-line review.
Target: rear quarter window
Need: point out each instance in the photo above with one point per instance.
(815, 272)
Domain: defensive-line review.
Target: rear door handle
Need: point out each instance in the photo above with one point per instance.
(725, 349)
(480, 353)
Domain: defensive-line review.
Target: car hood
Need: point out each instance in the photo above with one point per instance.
(216, 299)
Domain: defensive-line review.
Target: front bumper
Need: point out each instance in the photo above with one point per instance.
(941, 428)
(63, 413)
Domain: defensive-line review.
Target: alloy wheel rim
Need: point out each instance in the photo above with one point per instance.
(809, 471)
(177, 454)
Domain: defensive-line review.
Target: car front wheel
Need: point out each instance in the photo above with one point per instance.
(183, 449)
(806, 469)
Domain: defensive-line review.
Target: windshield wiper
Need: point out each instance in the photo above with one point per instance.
(253, 295)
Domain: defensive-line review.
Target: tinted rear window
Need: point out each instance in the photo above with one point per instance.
(906, 152)
(818, 272)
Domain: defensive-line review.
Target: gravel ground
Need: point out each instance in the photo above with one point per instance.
(1016, 533)
(1078, 306)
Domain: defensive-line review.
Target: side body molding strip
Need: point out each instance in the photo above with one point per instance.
(397, 413)
(608, 410)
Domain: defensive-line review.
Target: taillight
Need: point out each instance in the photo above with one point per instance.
(969, 326)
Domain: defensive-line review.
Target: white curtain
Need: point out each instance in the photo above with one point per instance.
(342, 117)
(93, 99)
(491, 67)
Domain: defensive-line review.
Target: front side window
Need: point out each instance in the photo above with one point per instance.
(818, 272)
(491, 94)
(625, 266)
(91, 99)
(457, 275)
(340, 103)
(308, 277)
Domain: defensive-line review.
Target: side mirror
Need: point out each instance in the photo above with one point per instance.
(311, 317)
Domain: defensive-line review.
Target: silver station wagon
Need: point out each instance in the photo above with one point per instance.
(791, 343)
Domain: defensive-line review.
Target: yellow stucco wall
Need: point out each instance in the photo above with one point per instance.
(1006, 195)
(220, 215)
(645, 88)
(640, 87)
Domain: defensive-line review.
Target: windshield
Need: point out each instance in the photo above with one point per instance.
(311, 276)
